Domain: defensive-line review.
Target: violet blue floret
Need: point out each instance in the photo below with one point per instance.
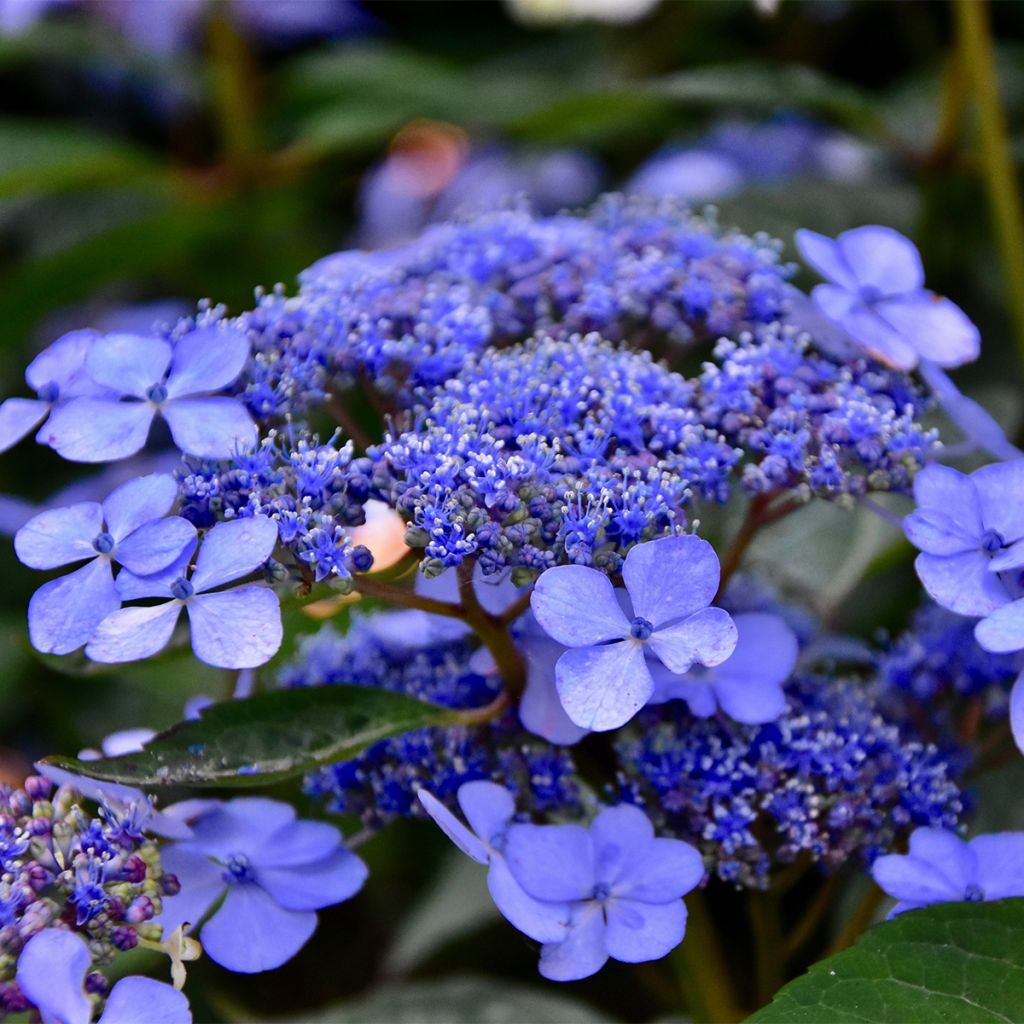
(146, 376)
(235, 628)
(747, 686)
(52, 971)
(273, 872)
(604, 679)
(876, 294)
(943, 868)
(126, 528)
(623, 885)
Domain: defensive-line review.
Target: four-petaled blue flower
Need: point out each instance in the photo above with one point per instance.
(604, 679)
(943, 868)
(877, 295)
(622, 884)
(273, 873)
(151, 377)
(747, 686)
(51, 973)
(235, 628)
(126, 528)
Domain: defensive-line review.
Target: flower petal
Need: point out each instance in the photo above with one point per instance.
(936, 532)
(232, 550)
(237, 628)
(1000, 490)
(882, 258)
(134, 1000)
(638, 932)
(206, 359)
(602, 688)
(1017, 711)
(251, 933)
(65, 613)
(671, 578)
(461, 836)
(202, 883)
(539, 920)
(488, 808)
(138, 502)
(210, 428)
(576, 606)
(1002, 632)
(244, 825)
(879, 338)
(313, 886)
(298, 843)
(131, 634)
(540, 709)
(913, 880)
(51, 974)
(936, 327)
(18, 417)
(582, 953)
(552, 862)
(1000, 864)
(97, 429)
(825, 256)
(621, 836)
(962, 583)
(59, 536)
(708, 637)
(157, 584)
(129, 364)
(157, 545)
(63, 363)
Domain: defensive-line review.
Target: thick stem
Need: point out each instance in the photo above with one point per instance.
(760, 513)
(493, 632)
(405, 598)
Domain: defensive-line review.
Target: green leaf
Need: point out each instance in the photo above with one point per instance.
(961, 962)
(267, 738)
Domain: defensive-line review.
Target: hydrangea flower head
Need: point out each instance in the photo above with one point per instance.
(126, 528)
(943, 868)
(235, 628)
(604, 679)
(273, 873)
(147, 376)
(51, 973)
(876, 294)
(623, 885)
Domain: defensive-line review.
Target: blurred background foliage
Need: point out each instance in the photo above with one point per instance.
(158, 152)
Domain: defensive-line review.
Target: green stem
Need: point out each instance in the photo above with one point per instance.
(701, 970)
(974, 34)
(234, 90)
(406, 598)
(492, 632)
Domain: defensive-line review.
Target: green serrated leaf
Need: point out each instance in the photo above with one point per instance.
(961, 962)
(267, 738)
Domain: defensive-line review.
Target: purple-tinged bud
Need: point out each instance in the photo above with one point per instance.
(134, 869)
(12, 1000)
(141, 910)
(38, 787)
(169, 885)
(96, 984)
(124, 938)
(20, 803)
(37, 877)
(39, 827)
(10, 941)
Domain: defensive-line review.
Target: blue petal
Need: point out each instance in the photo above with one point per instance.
(936, 327)
(1001, 494)
(131, 634)
(582, 953)
(671, 578)
(576, 606)
(126, 741)
(1002, 632)
(145, 1001)
(913, 880)
(313, 886)
(962, 583)
(251, 933)
(98, 430)
(65, 613)
(461, 836)
(232, 550)
(938, 533)
(59, 536)
(540, 708)
(244, 825)
(298, 843)
(602, 688)
(205, 360)
(137, 502)
(202, 883)
(669, 869)
(621, 837)
(18, 417)
(157, 584)
(51, 973)
(825, 256)
(944, 490)
(1017, 711)
(155, 546)
(947, 853)
(210, 428)
(882, 258)
(707, 637)
(488, 808)
(879, 338)
(540, 921)
(552, 862)
(638, 932)
(237, 628)
(63, 363)
(1000, 864)
(128, 363)
(835, 303)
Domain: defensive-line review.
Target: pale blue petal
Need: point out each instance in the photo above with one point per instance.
(138, 1000)
(671, 578)
(582, 953)
(913, 880)
(1017, 711)
(943, 489)
(98, 430)
(131, 634)
(1002, 632)
(461, 836)
(576, 606)
(251, 933)
(1000, 860)
(540, 708)
(707, 638)
(835, 303)
(205, 360)
(1008, 559)
(748, 684)
(692, 686)
(129, 364)
(621, 837)
(126, 741)
(232, 550)
(313, 886)
(237, 628)
(541, 921)
(882, 258)
(495, 593)
(298, 843)
(18, 418)
(937, 533)
(51, 973)
(210, 428)
(244, 825)
(825, 256)
(1000, 490)
(638, 932)
(155, 546)
(552, 862)
(157, 584)
(63, 364)
(137, 502)
(488, 808)
(879, 338)
(65, 613)
(669, 869)
(962, 583)
(59, 536)
(947, 853)
(937, 328)
(202, 883)
(602, 688)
